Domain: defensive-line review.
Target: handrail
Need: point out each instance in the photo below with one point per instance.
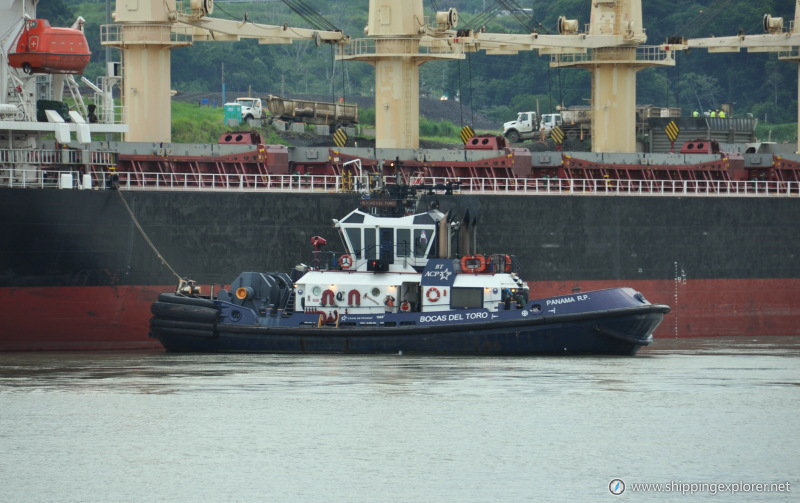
(36, 178)
(639, 54)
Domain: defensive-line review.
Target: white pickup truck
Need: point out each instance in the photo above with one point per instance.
(528, 125)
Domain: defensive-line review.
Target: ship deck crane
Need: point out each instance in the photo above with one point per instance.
(776, 39)
(611, 49)
(146, 31)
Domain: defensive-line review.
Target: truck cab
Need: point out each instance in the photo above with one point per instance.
(251, 108)
(549, 121)
(526, 124)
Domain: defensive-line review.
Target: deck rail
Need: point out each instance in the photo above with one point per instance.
(35, 178)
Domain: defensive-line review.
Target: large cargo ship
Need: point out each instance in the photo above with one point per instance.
(76, 272)
(92, 232)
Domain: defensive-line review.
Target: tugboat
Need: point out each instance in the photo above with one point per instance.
(399, 288)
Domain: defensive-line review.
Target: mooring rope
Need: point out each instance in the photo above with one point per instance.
(146, 238)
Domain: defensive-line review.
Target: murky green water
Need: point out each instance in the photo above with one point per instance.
(162, 427)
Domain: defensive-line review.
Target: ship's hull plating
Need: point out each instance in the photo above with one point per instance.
(615, 321)
(76, 274)
(620, 335)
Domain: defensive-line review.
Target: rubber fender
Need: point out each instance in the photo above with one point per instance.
(157, 331)
(189, 325)
(184, 312)
(182, 299)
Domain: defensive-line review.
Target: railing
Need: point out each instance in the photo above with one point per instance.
(643, 54)
(142, 33)
(213, 181)
(386, 46)
(792, 53)
(44, 158)
(34, 178)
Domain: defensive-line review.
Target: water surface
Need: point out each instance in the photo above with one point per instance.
(166, 427)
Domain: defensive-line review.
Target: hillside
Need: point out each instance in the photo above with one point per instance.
(494, 86)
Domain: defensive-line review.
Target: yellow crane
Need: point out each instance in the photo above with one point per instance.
(400, 40)
(147, 30)
(786, 42)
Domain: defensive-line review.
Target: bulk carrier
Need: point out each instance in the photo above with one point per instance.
(93, 231)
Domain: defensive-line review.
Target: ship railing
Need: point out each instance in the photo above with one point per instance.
(612, 186)
(142, 34)
(400, 46)
(651, 54)
(43, 158)
(216, 181)
(79, 177)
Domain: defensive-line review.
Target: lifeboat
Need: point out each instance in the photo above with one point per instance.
(42, 48)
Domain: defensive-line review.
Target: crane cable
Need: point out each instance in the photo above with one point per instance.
(311, 16)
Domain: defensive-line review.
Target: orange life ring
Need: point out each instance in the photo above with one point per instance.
(345, 261)
(473, 263)
(433, 294)
(405, 306)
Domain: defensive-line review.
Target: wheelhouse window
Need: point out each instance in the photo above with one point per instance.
(403, 242)
(422, 241)
(354, 236)
(370, 243)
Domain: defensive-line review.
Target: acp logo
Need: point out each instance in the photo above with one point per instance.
(616, 486)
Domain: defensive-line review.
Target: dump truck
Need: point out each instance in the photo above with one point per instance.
(312, 112)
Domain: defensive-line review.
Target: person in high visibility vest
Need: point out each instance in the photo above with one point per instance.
(695, 114)
(713, 113)
(721, 114)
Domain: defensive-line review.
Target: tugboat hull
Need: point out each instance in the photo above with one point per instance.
(619, 331)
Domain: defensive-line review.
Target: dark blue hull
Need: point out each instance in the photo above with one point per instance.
(619, 331)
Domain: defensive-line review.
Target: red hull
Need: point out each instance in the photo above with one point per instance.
(77, 318)
(116, 318)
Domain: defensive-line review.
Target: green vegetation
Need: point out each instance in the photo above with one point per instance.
(432, 129)
(192, 123)
(780, 133)
(195, 124)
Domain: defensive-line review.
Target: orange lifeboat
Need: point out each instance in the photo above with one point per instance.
(42, 48)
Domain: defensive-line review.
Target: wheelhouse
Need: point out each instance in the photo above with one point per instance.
(396, 244)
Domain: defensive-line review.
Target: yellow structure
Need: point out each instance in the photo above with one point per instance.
(400, 42)
(146, 32)
(614, 71)
(785, 42)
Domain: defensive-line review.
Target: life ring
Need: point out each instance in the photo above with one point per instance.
(405, 306)
(433, 294)
(327, 298)
(345, 261)
(473, 263)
